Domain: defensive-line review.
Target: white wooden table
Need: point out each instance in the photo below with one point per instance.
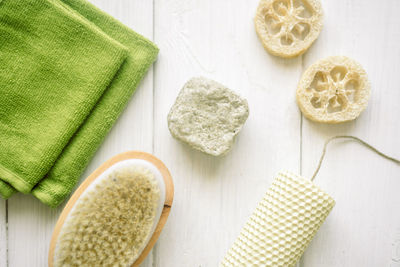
(215, 196)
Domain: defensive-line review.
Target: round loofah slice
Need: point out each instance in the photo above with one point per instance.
(333, 90)
(287, 28)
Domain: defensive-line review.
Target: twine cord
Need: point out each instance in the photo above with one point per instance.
(355, 139)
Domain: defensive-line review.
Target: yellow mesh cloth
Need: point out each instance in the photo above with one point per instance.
(282, 225)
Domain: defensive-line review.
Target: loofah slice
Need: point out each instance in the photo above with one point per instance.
(207, 116)
(282, 225)
(114, 218)
(333, 90)
(287, 28)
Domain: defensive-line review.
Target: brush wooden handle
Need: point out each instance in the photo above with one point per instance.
(169, 195)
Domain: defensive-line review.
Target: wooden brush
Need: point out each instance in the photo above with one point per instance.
(117, 214)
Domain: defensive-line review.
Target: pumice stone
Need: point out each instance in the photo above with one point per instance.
(207, 116)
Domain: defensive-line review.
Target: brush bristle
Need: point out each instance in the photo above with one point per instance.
(111, 223)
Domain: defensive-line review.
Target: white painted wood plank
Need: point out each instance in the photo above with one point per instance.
(215, 196)
(31, 223)
(3, 233)
(364, 227)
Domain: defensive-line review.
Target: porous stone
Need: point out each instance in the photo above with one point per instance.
(207, 116)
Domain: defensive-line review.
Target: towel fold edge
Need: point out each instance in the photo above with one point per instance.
(45, 193)
(15, 180)
(6, 190)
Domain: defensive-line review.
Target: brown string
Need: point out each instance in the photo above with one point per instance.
(353, 138)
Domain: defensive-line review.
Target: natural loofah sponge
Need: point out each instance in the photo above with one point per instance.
(287, 28)
(207, 116)
(333, 90)
(112, 221)
(283, 224)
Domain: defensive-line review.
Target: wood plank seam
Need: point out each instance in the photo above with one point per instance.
(7, 262)
(4, 233)
(154, 250)
(301, 262)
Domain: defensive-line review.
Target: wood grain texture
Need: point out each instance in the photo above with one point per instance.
(30, 222)
(363, 228)
(3, 233)
(169, 195)
(215, 196)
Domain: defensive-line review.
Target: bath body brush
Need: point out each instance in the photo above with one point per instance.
(117, 214)
(286, 220)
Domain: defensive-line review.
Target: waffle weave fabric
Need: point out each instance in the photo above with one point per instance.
(283, 224)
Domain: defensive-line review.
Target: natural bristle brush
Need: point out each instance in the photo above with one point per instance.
(286, 220)
(117, 214)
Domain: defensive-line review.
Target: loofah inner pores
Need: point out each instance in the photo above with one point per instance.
(333, 90)
(287, 28)
(110, 223)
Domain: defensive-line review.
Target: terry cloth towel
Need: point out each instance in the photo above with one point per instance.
(67, 71)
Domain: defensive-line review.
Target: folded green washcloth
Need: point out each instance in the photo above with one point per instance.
(67, 72)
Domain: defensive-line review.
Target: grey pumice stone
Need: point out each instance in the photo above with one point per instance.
(207, 116)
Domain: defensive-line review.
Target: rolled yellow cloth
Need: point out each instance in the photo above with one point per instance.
(283, 224)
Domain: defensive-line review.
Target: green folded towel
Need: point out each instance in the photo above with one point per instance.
(67, 72)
